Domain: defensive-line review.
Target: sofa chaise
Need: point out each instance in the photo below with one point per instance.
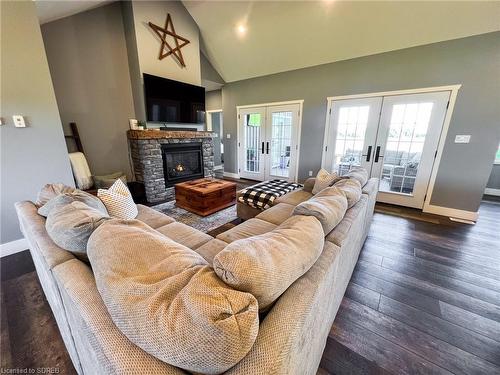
(291, 337)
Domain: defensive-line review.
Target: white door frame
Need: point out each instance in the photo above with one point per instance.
(300, 102)
(442, 138)
(209, 118)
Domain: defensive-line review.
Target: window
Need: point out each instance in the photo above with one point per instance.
(497, 156)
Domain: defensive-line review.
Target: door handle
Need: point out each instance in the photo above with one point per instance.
(262, 147)
(377, 154)
(267, 147)
(368, 154)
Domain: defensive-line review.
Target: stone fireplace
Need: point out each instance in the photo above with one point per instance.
(163, 158)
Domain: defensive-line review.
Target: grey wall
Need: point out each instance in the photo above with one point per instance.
(213, 100)
(89, 66)
(472, 62)
(33, 156)
(494, 180)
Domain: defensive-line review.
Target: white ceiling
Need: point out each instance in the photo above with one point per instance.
(51, 10)
(284, 36)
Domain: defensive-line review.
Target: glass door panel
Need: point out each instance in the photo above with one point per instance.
(282, 131)
(407, 140)
(351, 135)
(252, 133)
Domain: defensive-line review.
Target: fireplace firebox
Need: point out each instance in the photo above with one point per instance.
(182, 162)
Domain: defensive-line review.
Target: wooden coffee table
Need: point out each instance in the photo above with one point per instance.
(205, 196)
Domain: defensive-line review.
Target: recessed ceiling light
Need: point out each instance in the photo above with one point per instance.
(242, 29)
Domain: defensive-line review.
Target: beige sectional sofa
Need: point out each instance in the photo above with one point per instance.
(291, 337)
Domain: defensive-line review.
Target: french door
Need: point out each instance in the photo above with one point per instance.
(394, 137)
(268, 142)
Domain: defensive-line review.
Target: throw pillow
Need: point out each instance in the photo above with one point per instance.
(266, 265)
(70, 226)
(106, 181)
(328, 206)
(323, 180)
(118, 201)
(167, 300)
(352, 190)
(358, 173)
(74, 196)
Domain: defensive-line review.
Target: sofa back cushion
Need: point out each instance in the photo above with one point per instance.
(50, 191)
(70, 226)
(68, 197)
(352, 190)
(328, 206)
(168, 301)
(358, 173)
(267, 264)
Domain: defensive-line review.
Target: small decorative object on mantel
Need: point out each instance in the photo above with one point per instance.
(162, 33)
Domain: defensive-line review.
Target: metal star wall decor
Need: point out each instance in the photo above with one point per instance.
(166, 49)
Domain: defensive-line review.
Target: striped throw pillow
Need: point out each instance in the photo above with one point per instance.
(118, 201)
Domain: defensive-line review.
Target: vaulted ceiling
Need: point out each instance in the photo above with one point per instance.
(282, 36)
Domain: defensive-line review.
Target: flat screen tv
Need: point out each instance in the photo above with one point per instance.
(169, 101)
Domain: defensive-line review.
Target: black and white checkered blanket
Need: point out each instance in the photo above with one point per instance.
(263, 194)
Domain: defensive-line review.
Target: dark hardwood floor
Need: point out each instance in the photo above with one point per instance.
(424, 298)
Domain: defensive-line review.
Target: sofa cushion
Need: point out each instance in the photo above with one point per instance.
(153, 218)
(183, 234)
(50, 191)
(73, 196)
(328, 206)
(210, 249)
(294, 197)
(266, 265)
(352, 190)
(118, 201)
(323, 180)
(358, 173)
(276, 214)
(71, 225)
(168, 301)
(309, 184)
(249, 228)
(371, 187)
(354, 215)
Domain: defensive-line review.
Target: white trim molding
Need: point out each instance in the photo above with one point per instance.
(491, 191)
(396, 92)
(452, 213)
(13, 247)
(439, 153)
(232, 175)
(209, 118)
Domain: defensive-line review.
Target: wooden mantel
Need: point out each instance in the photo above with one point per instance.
(159, 134)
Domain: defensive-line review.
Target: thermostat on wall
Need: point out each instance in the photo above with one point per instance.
(19, 121)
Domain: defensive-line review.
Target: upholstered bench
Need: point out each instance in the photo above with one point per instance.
(245, 211)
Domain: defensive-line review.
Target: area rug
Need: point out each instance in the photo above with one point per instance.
(205, 224)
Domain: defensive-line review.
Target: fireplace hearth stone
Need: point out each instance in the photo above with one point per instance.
(147, 159)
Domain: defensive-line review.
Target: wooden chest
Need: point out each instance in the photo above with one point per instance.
(205, 196)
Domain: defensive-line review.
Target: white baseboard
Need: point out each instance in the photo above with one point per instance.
(232, 175)
(451, 212)
(491, 191)
(13, 247)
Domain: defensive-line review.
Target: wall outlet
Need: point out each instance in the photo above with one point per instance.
(228, 135)
(310, 173)
(462, 138)
(19, 121)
